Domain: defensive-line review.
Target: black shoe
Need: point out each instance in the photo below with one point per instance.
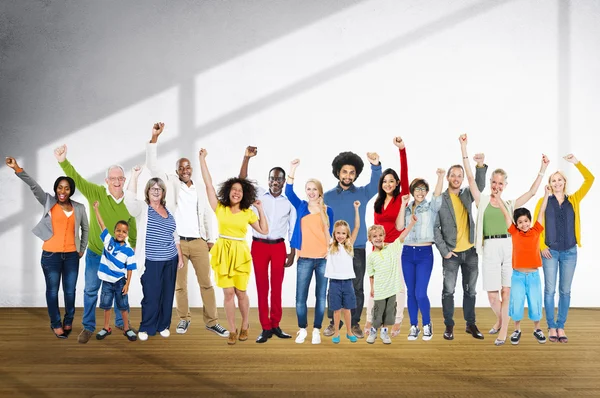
(280, 333)
(474, 331)
(67, 332)
(515, 337)
(61, 335)
(449, 333)
(264, 336)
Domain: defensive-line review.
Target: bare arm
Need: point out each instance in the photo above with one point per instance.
(324, 219)
(371, 282)
(507, 216)
(211, 194)
(406, 231)
(98, 216)
(261, 226)
(521, 200)
(125, 289)
(547, 191)
(467, 166)
(401, 213)
(250, 152)
(440, 182)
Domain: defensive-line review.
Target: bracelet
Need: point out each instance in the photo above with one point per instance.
(541, 174)
(290, 177)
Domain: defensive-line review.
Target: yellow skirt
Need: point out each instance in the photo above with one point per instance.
(231, 262)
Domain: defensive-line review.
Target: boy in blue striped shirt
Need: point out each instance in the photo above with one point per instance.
(117, 257)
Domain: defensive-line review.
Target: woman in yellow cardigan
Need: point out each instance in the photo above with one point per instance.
(558, 243)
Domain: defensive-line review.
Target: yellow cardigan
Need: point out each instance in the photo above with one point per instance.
(574, 199)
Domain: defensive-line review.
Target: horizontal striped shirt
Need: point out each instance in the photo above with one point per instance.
(117, 258)
(160, 242)
(383, 266)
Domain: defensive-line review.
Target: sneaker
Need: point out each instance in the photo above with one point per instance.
(165, 333)
(103, 333)
(316, 336)
(329, 330)
(130, 334)
(143, 336)
(357, 331)
(218, 329)
(515, 337)
(427, 332)
(414, 332)
(84, 336)
(539, 336)
(301, 335)
(372, 336)
(182, 326)
(385, 337)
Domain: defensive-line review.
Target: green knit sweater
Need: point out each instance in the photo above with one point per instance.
(110, 210)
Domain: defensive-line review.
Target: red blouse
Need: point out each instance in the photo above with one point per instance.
(388, 215)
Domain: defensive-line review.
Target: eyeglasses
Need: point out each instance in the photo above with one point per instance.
(156, 189)
(420, 189)
(114, 179)
(278, 179)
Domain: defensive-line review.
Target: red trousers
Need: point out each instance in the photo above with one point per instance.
(264, 254)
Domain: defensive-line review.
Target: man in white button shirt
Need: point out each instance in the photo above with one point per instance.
(196, 233)
(271, 248)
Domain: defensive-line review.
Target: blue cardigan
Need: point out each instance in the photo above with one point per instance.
(301, 211)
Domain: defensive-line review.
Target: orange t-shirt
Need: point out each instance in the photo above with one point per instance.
(63, 227)
(526, 246)
(314, 243)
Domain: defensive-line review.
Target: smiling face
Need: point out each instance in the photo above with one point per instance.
(455, 178)
(121, 232)
(63, 191)
(276, 181)
(347, 175)
(155, 193)
(497, 183)
(236, 193)
(115, 181)
(389, 184)
(312, 191)
(377, 237)
(340, 234)
(558, 183)
(184, 170)
(523, 223)
(419, 193)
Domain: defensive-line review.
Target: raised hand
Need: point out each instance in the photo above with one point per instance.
(136, 171)
(479, 158)
(547, 190)
(12, 163)
(398, 142)
(251, 151)
(60, 153)
(571, 158)
(545, 161)
(373, 158)
(440, 172)
(463, 139)
(202, 153)
(294, 163)
(258, 204)
(96, 205)
(405, 199)
(356, 204)
(157, 129)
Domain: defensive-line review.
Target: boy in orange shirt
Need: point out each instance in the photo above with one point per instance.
(526, 260)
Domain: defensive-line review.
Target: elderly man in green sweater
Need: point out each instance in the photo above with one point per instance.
(112, 210)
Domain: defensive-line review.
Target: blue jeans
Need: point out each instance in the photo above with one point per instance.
(562, 263)
(525, 285)
(113, 292)
(90, 292)
(417, 264)
(305, 268)
(55, 267)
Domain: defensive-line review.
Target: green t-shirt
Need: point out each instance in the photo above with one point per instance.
(493, 221)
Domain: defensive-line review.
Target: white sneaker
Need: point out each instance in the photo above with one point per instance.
(165, 333)
(301, 335)
(182, 326)
(143, 336)
(385, 337)
(414, 333)
(427, 332)
(316, 338)
(372, 336)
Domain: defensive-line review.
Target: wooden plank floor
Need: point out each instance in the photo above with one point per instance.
(35, 363)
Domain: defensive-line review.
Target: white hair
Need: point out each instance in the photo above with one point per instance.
(114, 166)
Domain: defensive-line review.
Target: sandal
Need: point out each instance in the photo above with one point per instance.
(103, 333)
(563, 338)
(553, 339)
(499, 342)
(59, 335)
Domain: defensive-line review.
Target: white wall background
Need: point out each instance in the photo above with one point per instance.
(305, 79)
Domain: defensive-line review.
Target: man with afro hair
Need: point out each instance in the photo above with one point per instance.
(346, 168)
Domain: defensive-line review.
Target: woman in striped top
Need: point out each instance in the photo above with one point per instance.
(158, 254)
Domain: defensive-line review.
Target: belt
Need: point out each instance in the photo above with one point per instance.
(496, 236)
(268, 241)
(187, 239)
(231, 237)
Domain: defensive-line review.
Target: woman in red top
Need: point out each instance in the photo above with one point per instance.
(387, 207)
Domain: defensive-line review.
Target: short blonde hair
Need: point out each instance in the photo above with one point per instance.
(374, 228)
(501, 172)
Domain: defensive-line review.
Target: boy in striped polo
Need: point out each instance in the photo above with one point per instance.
(117, 257)
(384, 275)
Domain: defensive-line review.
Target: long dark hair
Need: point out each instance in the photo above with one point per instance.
(381, 193)
(249, 189)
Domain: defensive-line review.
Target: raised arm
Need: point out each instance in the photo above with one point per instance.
(151, 158)
(211, 194)
(37, 190)
(373, 185)
(467, 166)
(542, 212)
(440, 182)
(536, 184)
(400, 216)
(289, 187)
(261, 226)
(480, 170)
(404, 186)
(133, 204)
(87, 189)
(413, 221)
(588, 177)
(98, 216)
(250, 152)
(356, 222)
(508, 219)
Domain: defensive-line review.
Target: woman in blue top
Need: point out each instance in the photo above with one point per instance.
(314, 223)
(417, 255)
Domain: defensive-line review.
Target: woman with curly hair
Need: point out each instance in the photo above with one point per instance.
(314, 225)
(230, 256)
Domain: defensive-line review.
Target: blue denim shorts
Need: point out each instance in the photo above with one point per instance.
(113, 291)
(341, 294)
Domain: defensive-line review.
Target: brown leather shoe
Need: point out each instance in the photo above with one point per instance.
(474, 331)
(243, 335)
(232, 339)
(84, 336)
(449, 333)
